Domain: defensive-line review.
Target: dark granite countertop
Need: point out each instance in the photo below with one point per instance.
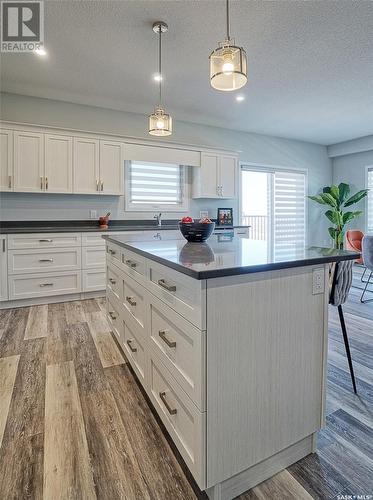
(215, 258)
(81, 226)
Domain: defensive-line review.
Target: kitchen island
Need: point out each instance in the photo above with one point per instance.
(229, 340)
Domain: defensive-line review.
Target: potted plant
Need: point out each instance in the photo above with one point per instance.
(338, 198)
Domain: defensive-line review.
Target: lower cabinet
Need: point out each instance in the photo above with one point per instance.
(3, 269)
(41, 284)
(93, 280)
(167, 354)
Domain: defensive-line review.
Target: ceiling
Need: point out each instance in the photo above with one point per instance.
(310, 63)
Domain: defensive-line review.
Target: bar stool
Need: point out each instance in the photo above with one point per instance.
(367, 247)
(342, 280)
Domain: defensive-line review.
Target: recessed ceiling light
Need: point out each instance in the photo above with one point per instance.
(240, 98)
(157, 77)
(40, 51)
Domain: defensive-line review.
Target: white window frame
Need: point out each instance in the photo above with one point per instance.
(182, 207)
(259, 167)
(366, 204)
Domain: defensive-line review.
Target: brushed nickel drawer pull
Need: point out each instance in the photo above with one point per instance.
(131, 301)
(45, 241)
(163, 284)
(170, 343)
(10, 181)
(46, 284)
(102, 185)
(97, 185)
(112, 315)
(46, 183)
(45, 260)
(129, 343)
(41, 183)
(112, 252)
(130, 263)
(113, 282)
(171, 411)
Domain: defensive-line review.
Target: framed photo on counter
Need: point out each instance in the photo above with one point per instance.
(225, 217)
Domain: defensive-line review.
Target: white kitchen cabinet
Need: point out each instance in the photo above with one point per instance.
(6, 160)
(111, 167)
(28, 161)
(216, 177)
(86, 178)
(3, 269)
(58, 172)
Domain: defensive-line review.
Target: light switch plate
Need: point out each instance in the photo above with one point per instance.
(318, 281)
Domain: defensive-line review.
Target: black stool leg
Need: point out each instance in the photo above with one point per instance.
(365, 289)
(347, 346)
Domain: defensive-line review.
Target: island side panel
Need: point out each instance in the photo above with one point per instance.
(265, 359)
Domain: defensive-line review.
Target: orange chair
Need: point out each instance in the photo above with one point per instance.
(354, 242)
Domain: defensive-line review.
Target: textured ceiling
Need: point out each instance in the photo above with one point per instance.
(310, 63)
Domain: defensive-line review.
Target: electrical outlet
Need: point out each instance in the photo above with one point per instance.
(318, 281)
(203, 213)
(93, 214)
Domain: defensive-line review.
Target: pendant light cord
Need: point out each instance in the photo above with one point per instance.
(160, 66)
(228, 22)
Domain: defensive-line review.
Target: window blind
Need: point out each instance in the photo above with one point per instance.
(155, 184)
(370, 201)
(289, 212)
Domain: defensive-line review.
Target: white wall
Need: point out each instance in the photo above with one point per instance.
(254, 148)
(351, 168)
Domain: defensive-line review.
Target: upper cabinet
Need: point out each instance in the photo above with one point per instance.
(58, 171)
(86, 165)
(6, 160)
(217, 176)
(111, 167)
(28, 161)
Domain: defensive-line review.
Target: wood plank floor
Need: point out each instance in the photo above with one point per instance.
(74, 423)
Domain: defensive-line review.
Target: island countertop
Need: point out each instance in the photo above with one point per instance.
(216, 258)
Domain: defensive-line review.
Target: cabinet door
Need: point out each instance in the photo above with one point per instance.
(86, 165)
(227, 176)
(3, 269)
(205, 182)
(111, 167)
(28, 161)
(6, 160)
(58, 164)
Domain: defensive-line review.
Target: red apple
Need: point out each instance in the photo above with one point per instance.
(187, 220)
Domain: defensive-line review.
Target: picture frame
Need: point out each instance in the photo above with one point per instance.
(225, 217)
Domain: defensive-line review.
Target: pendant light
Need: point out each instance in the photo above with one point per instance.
(160, 123)
(228, 64)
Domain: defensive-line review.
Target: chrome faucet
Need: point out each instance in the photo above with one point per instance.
(158, 217)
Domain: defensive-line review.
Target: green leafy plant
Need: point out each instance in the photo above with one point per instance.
(338, 198)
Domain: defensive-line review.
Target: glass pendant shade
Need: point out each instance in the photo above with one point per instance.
(160, 123)
(228, 67)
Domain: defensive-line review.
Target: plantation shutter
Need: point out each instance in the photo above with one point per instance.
(155, 184)
(370, 201)
(289, 213)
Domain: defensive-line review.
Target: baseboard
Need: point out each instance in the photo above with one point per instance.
(258, 473)
(51, 299)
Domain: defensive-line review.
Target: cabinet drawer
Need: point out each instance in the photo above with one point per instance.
(93, 280)
(93, 257)
(133, 263)
(182, 419)
(181, 347)
(53, 259)
(93, 239)
(114, 318)
(113, 253)
(114, 281)
(135, 351)
(44, 284)
(133, 300)
(43, 240)
(182, 293)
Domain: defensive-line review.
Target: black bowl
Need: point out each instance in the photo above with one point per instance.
(196, 231)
